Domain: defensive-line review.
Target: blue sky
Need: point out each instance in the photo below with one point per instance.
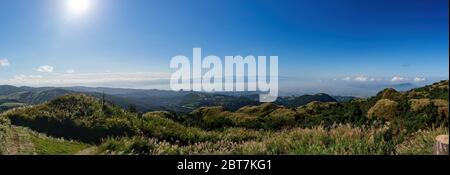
(316, 40)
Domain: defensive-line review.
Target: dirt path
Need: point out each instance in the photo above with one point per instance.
(18, 142)
(87, 151)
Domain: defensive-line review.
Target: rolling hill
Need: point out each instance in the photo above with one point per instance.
(391, 122)
(181, 102)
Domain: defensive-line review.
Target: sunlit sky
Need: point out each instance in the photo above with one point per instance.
(100, 42)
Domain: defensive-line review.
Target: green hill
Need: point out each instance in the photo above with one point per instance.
(75, 116)
(151, 100)
(22, 141)
(303, 100)
(6, 90)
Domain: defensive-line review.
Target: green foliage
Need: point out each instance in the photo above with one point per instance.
(132, 108)
(78, 117)
(389, 94)
(4, 121)
(135, 145)
(421, 142)
(259, 111)
(22, 141)
(32, 96)
(10, 105)
(435, 91)
(268, 116)
(166, 129)
(209, 118)
(245, 120)
(339, 140)
(384, 109)
(163, 114)
(280, 118)
(48, 146)
(293, 102)
(196, 100)
(4, 125)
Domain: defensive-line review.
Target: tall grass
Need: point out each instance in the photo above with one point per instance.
(421, 142)
(4, 124)
(338, 140)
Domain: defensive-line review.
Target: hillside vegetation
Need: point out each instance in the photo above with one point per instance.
(22, 141)
(389, 123)
(180, 102)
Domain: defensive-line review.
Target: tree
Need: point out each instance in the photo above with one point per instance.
(132, 108)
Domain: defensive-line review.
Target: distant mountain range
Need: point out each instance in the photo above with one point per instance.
(379, 87)
(296, 101)
(148, 100)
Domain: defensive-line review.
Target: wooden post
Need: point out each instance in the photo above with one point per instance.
(441, 147)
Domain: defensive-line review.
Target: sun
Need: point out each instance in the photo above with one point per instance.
(78, 7)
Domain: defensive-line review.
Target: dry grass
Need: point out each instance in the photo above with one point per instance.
(339, 140)
(384, 108)
(421, 142)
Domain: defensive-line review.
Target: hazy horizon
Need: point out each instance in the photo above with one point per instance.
(331, 87)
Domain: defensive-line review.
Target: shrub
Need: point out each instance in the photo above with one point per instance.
(77, 117)
(209, 118)
(390, 94)
(166, 129)
(259, 111)
(338, 140)
(216, 120)
(4, 125)
(146, 146)
(417, 105)
(164, 114)
(442, 107)
(280, 118)
(384, 109)
(436, 91)
(245, 120)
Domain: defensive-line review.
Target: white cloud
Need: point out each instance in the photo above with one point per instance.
(346, 79)
(4, 62)
(419, 79)
(361, 78)
(131, 79)
(25, 77)
(397, 78)
(70, 71)
(19, 77)
(35, 76)
(45, 69)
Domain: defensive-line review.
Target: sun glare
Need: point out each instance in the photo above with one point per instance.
(78, 7)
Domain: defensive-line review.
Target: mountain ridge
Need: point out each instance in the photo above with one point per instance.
(150, 100)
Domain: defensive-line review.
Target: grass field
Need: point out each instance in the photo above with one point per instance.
(22, 141)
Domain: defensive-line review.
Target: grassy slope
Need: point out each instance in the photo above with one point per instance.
(339, 140)
(22, 141)
(421, 142)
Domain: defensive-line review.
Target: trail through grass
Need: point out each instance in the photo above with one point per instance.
(22, 141)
